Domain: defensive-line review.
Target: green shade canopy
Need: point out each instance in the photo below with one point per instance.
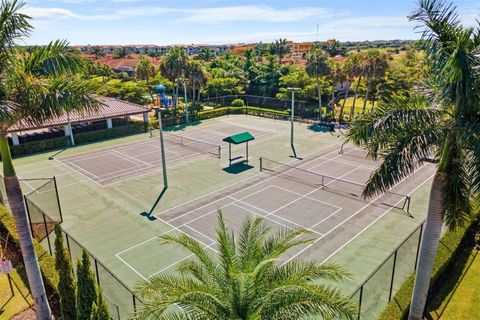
(239, 138)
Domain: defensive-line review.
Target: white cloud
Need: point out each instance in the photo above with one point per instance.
(254, 13)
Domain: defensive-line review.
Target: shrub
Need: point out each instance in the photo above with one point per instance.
(238, 103)
(66, 285)
(39, 146)
(86, 289)
(451, 244)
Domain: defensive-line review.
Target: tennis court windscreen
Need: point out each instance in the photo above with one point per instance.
(339, 186)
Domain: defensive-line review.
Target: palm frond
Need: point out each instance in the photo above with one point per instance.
(41, 99)
(14, 25)
(54, 59)
(8, 110)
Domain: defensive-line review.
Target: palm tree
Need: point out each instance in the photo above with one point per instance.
(338, 76)
(350, 69)
(245, 280)
(318, 67)
(280, 48)
(374, 69)
(446, 123)
(98, 52)
(173, 68)
(197, 77)
(144, 71)
(206, 54)
(358, 67)
(35, 85)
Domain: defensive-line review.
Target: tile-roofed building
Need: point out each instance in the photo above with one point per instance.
(112, 108)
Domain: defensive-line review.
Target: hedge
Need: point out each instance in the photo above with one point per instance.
(218, 112)
(82, 137)
(450, 246)
(46, 261)
(39, 146)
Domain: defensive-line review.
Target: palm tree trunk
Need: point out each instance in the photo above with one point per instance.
(428, 249)
(17, 207)
(352, 111)
(366, 97)
(319, 89)
(343, 104)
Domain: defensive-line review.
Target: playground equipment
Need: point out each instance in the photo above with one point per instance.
(162, 98)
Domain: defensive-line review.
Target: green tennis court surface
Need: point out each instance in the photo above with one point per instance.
(105, 186)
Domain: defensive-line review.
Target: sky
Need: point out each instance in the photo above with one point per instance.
(225, 21)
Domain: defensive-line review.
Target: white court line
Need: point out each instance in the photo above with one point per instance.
(150, 239)
(267, 214)
(133, 269)
(374, 221)
(78, 172)
(310, 198)
(129, 158)
(350, 217)
(254, 185)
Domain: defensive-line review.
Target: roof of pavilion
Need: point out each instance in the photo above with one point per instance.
(112, 108)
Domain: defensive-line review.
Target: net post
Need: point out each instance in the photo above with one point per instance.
(219, 152)
(134, 306)
(408, 203)
(58, 198)
(261, 164)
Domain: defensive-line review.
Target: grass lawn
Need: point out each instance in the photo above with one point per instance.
(10, 306)
(349, 104)
(458, 298)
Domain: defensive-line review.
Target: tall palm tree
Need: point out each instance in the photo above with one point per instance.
(375, 66)
(144, 71)
(338, 76)
(280, 48)
(358, 69)
(318, 67)
(35, 85)
(172, 67)
(245, 280)
(197, 77)
(446, 123)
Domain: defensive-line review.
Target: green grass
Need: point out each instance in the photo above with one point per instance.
(12, 305)
(459, 296)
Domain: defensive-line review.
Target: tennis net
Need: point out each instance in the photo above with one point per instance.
(189, 143)
(332, 184)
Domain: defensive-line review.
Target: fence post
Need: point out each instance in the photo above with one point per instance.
(58, 198)
(418, 246)
(46, 234)
(393, 275)
(134, 306)
(68, 246)
(96, 271)
(360, 303)
(28, 214)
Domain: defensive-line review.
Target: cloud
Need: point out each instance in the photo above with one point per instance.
(254, 13)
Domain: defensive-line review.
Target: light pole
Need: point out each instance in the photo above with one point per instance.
(292, 119)
(164, 165)
(185, 81)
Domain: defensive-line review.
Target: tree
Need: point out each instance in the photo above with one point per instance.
(280, 48)
(317, 67)
(120, 53)
(172, 67)
(350, 70)
(338, 77)
(100, 308)
(144, 71)
(358, 69)
(446, 123)
(197, 77)
(375, 66)
(35, 85)
(66, 283)
(206, 54)
(98, 52)
(245, 279)
(86, 288)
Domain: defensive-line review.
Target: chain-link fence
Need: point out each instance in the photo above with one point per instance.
(44, 213)
(381, 285)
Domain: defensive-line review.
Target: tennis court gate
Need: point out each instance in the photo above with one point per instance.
(44, 213)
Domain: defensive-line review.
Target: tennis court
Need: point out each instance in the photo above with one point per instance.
(127, 161)
(321, 193)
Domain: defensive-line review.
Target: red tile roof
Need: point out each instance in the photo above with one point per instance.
(113, 108)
